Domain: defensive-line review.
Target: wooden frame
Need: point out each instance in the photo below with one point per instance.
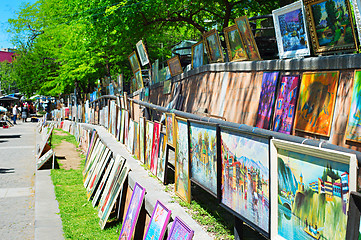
(142, 52)
(214, 50)
(175, 66)
(234, 44)
(197, 54)
(169, 123)
(354, 217)
(134, 62)
(158, 222)
(179, 228)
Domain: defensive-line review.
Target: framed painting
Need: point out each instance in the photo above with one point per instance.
(130, 142)
(142, 52)
(197, 54)
(134, 62)
(136, 140)
(235, 47)
(167, 87)
(158, 222)
(155, 147)
(132, 214)
(246, 177)
(331, 26)
(180, 231)
(247, 37)
(213, 46)
(291, 31)
(316, 102)
(43, 159)
(354, 217)
(141, 139)
(119, 124)
(126, 126)
(286, 103)
(356, 4)
(162, 158)
(133, 85)
(310, 190)
(120, 83)
(138, 79)
(169, 124)
(174, 65)
(102, 183)
(155, 71)
(148, 143)
(203, 155)
(267, 98)
(122, 127)
(353, 131)
(182, 182)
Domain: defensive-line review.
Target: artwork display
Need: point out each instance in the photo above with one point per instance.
(197, 55)
(213, 46)
(291, 31)
(286, 104)
(182, 182)
(169, 121)
(174, 65)
(316, 102)
(167, 87)
(142, 51)
(310, 191)
(155, 148)
(354, 217)
(162, 158)
(235, 47)
(266, 103)
(142, 139)
(134, 63)
(158, 222)
(148, 143)
(246, 177)
(331, 26)
(203, 155)
(131, 217)
(180, 231)
(353, 132)
(247, 37)
(138, 79)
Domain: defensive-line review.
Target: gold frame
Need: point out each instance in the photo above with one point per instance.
(226, 31)
(218, 43)
(174, 61)
(131, 65)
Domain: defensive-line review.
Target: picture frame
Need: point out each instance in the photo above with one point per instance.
(245, 177)
(235, 47)
(142, 52)
(142, 139)
(354, 217)
(158, 222)
(43, 159)
(247, 37)
(155, 71)
(155, 147)
(120, 82)
(318, 182)
(132, 214)
(102, 183)
(134, 62)
(180, 230)
(197, 54)
(213, 46)
(330, 34)
(126, 126)
(136, 140)
(291, 31)
(167, 86)
(139, 80)
(148, 143)
(130, 142)
(169, 123)
(175, 66)
(353, 129)
(356, 4)
(162, 158)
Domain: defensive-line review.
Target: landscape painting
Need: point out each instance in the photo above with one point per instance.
(286, 104)
(203, 155)
(155, 148)
(316, 102)
(247, 38)
(235, 47)
(197, 54)
(353, 132)
(245, 176)
(213, 46)
(148, 143)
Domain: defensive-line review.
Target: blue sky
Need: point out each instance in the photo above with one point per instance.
(7, 10)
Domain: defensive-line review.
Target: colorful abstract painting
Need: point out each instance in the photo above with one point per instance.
(286, 104)
(158, 222)
(180, 231)
(266, 102)
(148, 143)
(182, 182)
(353, 131)
(162, 158)
(142, 139)
(169, 121)
(155, 148)
(203, 155)
(316, 102)
(245, 176)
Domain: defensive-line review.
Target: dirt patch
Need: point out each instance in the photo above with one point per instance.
(60, 133)
(67, 155)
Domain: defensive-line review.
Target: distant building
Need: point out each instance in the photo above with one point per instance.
(8, 50)
(6, 56)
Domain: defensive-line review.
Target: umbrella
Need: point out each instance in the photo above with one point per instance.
(2, 109)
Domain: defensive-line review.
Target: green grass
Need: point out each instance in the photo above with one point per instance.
(57, 139)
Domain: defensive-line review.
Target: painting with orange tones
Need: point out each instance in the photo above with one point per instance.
(316, 102)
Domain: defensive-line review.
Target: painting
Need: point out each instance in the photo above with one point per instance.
(132, 214)
(136, 140)
(182, 182)
(213, 46)
(44, 158)
(130, 142)
(102, 183)
(316, 102)
(133, 85)
(353, 132)
(134, 63)
(356, 4)
(235, 47)
(162, 158)
(197, 54)
(155, 148)
(245, 177)
(286, 103)
(122, 126)
(310, 191)
(158, 222)
(331, 26)
(291, 31)
(203, 155)
(142, 52)
(167, 87)
(155, 71)
(354, 217)
(138, 80)
(148, 142)
(126, 126)
(174, 65)
(141, 139)
(120, 83)
(247, 37)
(169, 123)
(180, 230)
(266, 103)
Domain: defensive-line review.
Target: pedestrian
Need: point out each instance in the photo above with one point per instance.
(15, 113)
(24, 112)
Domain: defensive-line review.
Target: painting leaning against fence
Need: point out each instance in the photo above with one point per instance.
(155, 148)
(148, 142)
(169, 119)
(245, 176)
(353, 131)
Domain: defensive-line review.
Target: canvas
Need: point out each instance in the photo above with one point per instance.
(102, 183)
(134, 63)
(136, 140)
(126, 126)
(155, 71)
(141, 139)
(310, 191)
(245, 177)
(167, 87)
(316, 102)
(266, 103)
(356, 4)
(180, 231)
(291, 31)
(43, 159)
(138, 80)
(130, 143)
(197, 54)
(131, 217)
(122, 127)
(353, 132)
(133, 85)
(247, 38)
(235, 47)
(148, 143)
(158, 222)
(142, 52)
(169, 121)
(155, 148)
(174, 65)
(286, 103)
(203, 155)
(162, 158)
(182, 182)
(213, 46)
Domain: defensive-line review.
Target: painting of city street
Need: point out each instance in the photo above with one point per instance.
(245, 176)
(312, 196)
(203, 155)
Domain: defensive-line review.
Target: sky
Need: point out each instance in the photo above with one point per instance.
(7, 10)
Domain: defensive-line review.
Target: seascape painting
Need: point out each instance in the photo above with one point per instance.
(197, 55)
(235, 47)
(148, 143)
(286, 104)
(353, 132)
(245, 176)
(155, 148)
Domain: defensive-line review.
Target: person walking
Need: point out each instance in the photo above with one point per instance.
(24, 112)
(15, 113)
